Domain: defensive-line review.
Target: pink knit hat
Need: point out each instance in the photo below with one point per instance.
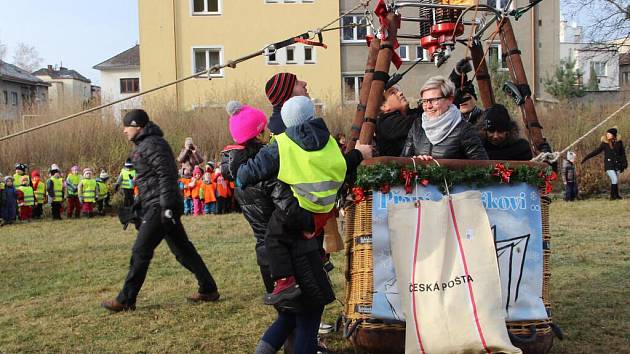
(197, 171)
(245, 122)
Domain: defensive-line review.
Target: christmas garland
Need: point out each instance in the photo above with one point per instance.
(384, 176)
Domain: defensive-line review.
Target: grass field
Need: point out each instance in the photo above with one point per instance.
(54, 275)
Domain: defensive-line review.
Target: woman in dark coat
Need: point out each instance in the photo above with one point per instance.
(615, 161)
(499, 134)
(441, 132)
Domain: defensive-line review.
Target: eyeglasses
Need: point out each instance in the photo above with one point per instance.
(430, 100)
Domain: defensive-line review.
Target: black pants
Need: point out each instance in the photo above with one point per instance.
(150, 234)
(570, 191)
(223, 206)
(127, 197)
(38, 211)
(56, 210)
(100, 206)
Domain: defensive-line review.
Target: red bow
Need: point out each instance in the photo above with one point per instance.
(424, 182)
(548, 178)
(407, 176)
(385, 188)
(501, 171)
(359, 194)
(381, 12)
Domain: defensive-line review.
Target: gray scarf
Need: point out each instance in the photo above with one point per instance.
(440, 128)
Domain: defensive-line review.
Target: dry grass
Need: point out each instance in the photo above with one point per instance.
(56, 273)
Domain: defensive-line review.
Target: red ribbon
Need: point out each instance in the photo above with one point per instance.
(424, 182)
(503, 172)
(381, 12)
(385, 188)
(548, 178)
(359, 194)
(408, 177)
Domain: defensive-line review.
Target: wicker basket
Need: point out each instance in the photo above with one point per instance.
(374, 336)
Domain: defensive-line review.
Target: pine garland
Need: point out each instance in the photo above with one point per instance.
(384, 176)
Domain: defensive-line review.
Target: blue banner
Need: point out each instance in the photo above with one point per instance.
(515, 218)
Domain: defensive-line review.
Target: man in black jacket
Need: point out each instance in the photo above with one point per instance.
(393, 124)
(161, 203)
(500, 136)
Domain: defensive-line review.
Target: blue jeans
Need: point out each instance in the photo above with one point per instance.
(188, 206)
(613, 175)
(210, 208)
(303, 325)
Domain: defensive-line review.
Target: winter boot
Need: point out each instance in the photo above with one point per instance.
(285, 289)
(613, 195)
(615, 188)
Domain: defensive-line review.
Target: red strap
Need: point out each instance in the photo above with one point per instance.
(307, 42)
(413, 278)
(233, 147)
(381, 12)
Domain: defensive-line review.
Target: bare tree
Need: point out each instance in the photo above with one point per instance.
(3, 50)
(605, 22)
(27, 57)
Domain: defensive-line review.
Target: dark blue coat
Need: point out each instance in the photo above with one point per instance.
(8, 208)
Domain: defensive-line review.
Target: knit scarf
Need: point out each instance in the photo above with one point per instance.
(440, 128)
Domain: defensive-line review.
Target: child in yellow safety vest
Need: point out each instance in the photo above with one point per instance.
(20, 171)
(55, 188)
(26, 199)
(308, 159)
(39, 187)
(102, 199)
(88, 190)
(72, 189)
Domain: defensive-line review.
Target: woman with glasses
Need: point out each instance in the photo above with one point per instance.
(441, 132)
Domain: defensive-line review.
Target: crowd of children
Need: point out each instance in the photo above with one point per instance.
(23, 197)
(206, 191)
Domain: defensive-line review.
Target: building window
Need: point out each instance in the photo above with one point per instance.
(422, 54)
(355, 33)
(600, 68)
(271, 59)
(206, 7)
(309, 55)
(291, 55)
(495, 57)
(131, 85)
(403, 52)
(351, 87)
(14, 98)
(5, 97)
(206, 57)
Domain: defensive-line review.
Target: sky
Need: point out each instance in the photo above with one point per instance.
(79, 33)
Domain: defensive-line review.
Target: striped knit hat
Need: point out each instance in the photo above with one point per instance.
(280, 87)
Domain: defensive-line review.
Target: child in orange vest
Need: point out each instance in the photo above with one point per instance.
(223, 192)
(184, 181)
(207, 194)
(195, 185)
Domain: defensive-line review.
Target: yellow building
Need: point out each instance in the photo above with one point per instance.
(180, 37)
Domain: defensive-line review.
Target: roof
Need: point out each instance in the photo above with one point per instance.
(129, 59)
(61, 73)
(10, 72)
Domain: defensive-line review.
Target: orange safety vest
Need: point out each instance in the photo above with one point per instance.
(194, 191)
(208, 191)
(186, 189)
(223, 187)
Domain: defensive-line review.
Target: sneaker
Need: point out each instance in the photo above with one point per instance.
(325, 328)
(285, 289)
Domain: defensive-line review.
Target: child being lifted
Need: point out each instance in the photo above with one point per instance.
(308, 159)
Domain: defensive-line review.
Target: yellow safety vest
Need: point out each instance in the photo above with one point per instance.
(102, 190)
(17, 179)
(88, 192)
(29, 196)
(127, 178)
(40, 192)
(314, 176)
(72, 183)
(57, 188)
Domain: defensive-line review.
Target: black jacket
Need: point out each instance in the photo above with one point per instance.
(614, 157)
(156, 172)
(310, 136)
(473, 116)
(391, 131)
(462, 143)
(259, 201)
(512, 150)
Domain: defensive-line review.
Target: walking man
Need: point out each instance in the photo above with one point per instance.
(161, 205)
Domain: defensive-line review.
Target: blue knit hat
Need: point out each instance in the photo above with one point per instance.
(297, 110)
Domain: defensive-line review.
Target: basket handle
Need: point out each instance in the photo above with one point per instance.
(524, 340)
(347, 332)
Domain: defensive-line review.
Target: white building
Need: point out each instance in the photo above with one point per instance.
(603, 58)
(69, 90)
(120, 78)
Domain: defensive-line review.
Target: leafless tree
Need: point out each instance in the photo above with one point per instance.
(26, 57)
(604, 22)
(3, 50)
